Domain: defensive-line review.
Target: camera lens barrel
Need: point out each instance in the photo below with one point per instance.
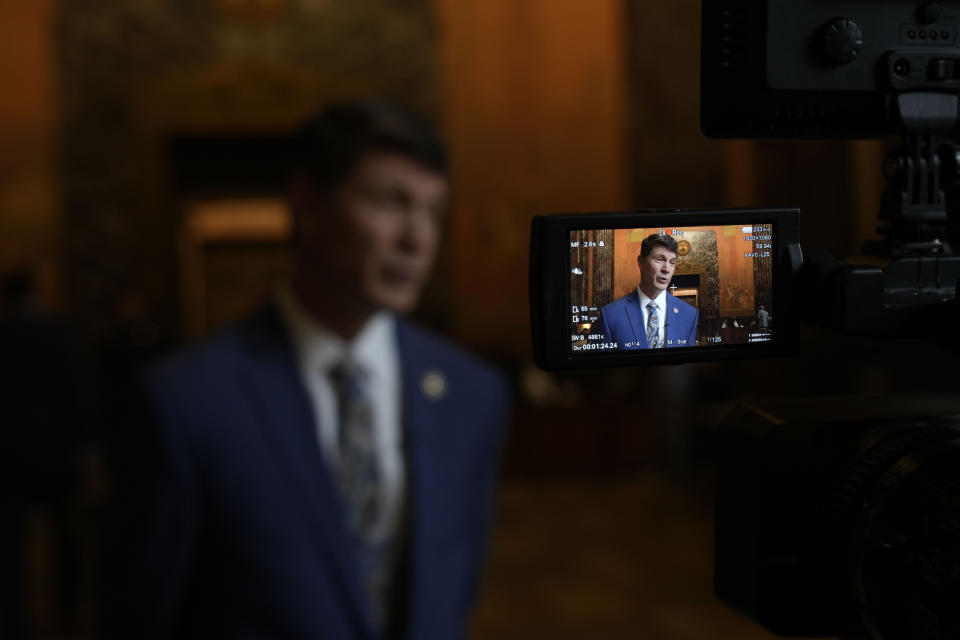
(905, 543)
(830, 523)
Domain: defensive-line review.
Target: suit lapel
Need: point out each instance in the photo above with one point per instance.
(635, 318)
(670, 321)
(426, 412)
(283, 409)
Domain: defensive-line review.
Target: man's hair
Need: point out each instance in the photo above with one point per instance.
(657, 240)
(331, 143)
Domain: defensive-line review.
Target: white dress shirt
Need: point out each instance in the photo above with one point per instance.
(661, 302)
(374, 350)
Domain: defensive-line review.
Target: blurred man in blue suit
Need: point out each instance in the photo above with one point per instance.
(324, 468)
(650, 317)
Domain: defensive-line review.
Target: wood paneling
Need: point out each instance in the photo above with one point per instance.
(534, 103)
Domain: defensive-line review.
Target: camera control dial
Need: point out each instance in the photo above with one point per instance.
(842, 41)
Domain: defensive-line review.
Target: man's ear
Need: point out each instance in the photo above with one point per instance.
(640, 261)
(305, 203)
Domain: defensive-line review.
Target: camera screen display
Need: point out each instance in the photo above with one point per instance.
(687, 287)
(660, 286)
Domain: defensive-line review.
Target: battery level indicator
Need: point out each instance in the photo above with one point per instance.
(747, 230)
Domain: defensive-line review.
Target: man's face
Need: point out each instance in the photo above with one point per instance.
(656, 270)
(375, 240)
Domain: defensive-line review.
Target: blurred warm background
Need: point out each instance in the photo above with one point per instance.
(141, 149)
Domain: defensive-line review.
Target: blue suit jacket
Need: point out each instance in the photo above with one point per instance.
(240, 530)
(622, 322)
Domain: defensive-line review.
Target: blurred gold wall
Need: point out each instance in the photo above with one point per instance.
(29, 119)
(535, 105)
(136, 78)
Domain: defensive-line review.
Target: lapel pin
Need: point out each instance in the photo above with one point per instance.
(434, 385)
(676, 310)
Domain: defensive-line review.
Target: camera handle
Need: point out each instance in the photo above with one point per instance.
(916, 293)
(913, 210)
(913, 296)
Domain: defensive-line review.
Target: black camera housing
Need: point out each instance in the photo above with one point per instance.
(815, 69)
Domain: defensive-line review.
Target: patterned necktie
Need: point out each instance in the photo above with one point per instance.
(360, 486)
(653, 326)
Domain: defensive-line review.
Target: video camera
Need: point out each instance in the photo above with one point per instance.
(832, 519)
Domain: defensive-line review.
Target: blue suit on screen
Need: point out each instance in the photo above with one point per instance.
(622, 322)
(237, 527)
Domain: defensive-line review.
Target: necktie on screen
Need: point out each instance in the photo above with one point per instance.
(360, 483)
(653, 325)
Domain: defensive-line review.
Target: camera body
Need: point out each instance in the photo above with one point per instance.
(830, 520)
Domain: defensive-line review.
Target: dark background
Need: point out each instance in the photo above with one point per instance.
(142, 144)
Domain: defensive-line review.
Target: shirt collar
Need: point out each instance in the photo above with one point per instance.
(319, 349)
(661, 298)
